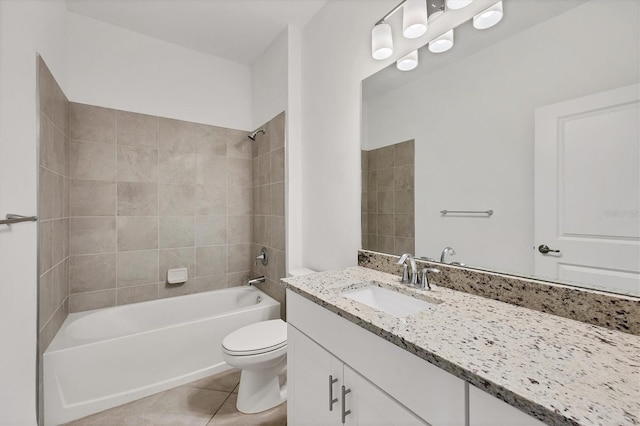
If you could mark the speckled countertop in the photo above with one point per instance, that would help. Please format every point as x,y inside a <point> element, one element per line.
<point>560,371</point>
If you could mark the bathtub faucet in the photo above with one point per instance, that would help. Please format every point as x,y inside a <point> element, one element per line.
<point>256,281</point>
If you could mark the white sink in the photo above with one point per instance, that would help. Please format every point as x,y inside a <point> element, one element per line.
<point>392,302</point>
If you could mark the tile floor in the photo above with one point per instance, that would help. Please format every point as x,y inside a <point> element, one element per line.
<point>207,402</point>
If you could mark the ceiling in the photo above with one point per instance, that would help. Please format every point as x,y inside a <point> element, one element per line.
<point>236,30</point>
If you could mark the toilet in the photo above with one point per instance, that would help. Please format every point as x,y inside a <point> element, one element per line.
<point>260,351</point>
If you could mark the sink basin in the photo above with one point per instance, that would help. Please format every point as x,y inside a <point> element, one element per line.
<point>392,302</point>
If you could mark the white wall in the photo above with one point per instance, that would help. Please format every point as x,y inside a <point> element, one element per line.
<point>26,27</point>
<point>474,136</point>
<point>336,57</point>
<point>269,81</point>
<point>117,68</point>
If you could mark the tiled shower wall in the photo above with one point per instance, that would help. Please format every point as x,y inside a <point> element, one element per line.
<point>53,210</point>
<point>148,194</point>
<point>388,220</point>
<point>269,206</point>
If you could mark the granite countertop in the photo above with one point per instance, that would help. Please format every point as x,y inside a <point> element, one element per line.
<point>561,371</point>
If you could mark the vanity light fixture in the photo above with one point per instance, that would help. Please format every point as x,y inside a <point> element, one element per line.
<point>489,17</point>
<point>416,14</point>
<point>458,4</point>
<point>381,41</point>
<point>414,18</point>
<point>408,62</point>
<point>442,43</point>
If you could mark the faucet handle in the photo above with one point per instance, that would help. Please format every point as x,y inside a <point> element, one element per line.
<point>405,274</point>
<point>424,278</point>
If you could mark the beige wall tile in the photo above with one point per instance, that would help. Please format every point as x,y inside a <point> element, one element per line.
<point>178,136</point>
<point>277,165</point>
<point>261,230</point>
<point>137,233</point>
<point>276,129</point>
<point>238,279</point>
<point>93,300</point>
<point>240,258</point>
<point>277,199</point>
<point>211,200</point>
<point>373,159</point>
<point>137,164</point>
<point>46,91</point>
<point>240,201</point>
<point>137,130</point>
<point>136,294</point>
<point>386,225</point>
<point>177,200</point>
<point>364,160</point>
<point>404,153</point>
<point>45,236</point>
<point>238,144</point>
<point>239,172</point>
<point>386,244</point>
<point>50,329</point>
<point>386,157</point>
<point>255,171</point>
<point>277,237</point>
<point>177,168</point>
<point>211,170</point>
<point>404,225</point>
<point>240,229</point>
<point>262,143</point>
<point>372,181</point>
<point>90,235</point>
<point>58,196</point>
<point>137,268</point>
<point>386,202</point>
<point>92,124</point>
<point>92,272</point>
<point>211,230</point>
<point>45,302</point>
<point>196,285</point>
<point>177,231</point>
<point>210,140</point>
<point>137,199</point>
<point>372,202</point>
<point>405,245</point>
<point>177,258</point>
<point>92,161</point>
<point>59,240</point>
<point>386,181</point>
<point>404,177</point>
<point>92,198</point>
<point>211,260</point>
<point>45,194</point>
<point>264,170</point>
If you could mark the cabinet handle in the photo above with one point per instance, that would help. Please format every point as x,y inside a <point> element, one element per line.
<point>345,391</point>
<point>332,400</point>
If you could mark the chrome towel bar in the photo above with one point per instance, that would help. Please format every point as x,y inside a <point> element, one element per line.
<point>487,212</point>
<point>16,218</point>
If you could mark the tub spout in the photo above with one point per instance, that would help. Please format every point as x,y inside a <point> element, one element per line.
<point>256,281</point>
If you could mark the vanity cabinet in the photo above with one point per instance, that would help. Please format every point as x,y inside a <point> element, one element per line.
<point>388,384</point>
<point>486,410</point>
<point>325,391</point>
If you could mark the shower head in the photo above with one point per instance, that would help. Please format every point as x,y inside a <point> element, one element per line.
<point>253,135</point>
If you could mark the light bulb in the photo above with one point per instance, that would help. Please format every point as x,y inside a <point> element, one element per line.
<point>442,43</point>
<point>414,18</point>
<point>408,62</point>
<point>489,17</point>
<point>381,41</point>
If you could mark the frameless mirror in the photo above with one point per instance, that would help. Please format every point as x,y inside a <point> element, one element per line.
<point>524,140</point>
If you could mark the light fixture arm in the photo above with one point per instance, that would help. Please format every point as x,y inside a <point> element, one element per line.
<point>391,12</point>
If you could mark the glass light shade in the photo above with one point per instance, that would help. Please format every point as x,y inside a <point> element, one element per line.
<point>414,18</point>
<point>442,43</point>
<point>489,17</point>
<point>458,4</point>
<point>381,41</point>
<point>409,62</point>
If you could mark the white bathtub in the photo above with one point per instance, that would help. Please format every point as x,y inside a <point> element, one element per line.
<point>107,357</point>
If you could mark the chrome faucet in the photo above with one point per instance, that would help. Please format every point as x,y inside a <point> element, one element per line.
<point>406,279</point>
<point>445,252</point>
<point>258,280</point>
<point>425,277</point>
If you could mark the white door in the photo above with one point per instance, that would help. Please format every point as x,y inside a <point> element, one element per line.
<point>587,190</point>
<point>370,406</point>
<point>309,394</point>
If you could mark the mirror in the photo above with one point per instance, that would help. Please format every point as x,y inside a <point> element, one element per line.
<point>536,120</point>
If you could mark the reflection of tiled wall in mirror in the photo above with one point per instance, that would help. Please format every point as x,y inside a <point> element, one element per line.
<point>388,223</point>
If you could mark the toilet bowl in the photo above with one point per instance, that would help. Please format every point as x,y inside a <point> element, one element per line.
<point>260,351</point>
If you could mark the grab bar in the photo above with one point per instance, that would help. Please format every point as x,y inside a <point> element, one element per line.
<point>487,212</point>
<point>16,218</point>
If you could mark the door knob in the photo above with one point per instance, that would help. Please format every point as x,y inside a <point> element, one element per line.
<point>544,249</point>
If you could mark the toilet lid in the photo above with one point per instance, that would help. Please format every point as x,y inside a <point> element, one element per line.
<point>258,337</point>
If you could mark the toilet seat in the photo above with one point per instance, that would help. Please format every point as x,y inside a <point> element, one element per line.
<point>257,338</point>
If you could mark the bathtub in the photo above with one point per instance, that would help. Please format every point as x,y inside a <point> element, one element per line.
<point>103,358</point>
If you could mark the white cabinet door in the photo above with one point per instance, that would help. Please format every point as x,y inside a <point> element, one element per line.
<point>309,368</point>
<point>370,406</point>
<point>587,190</point>
<point>486,410</point>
